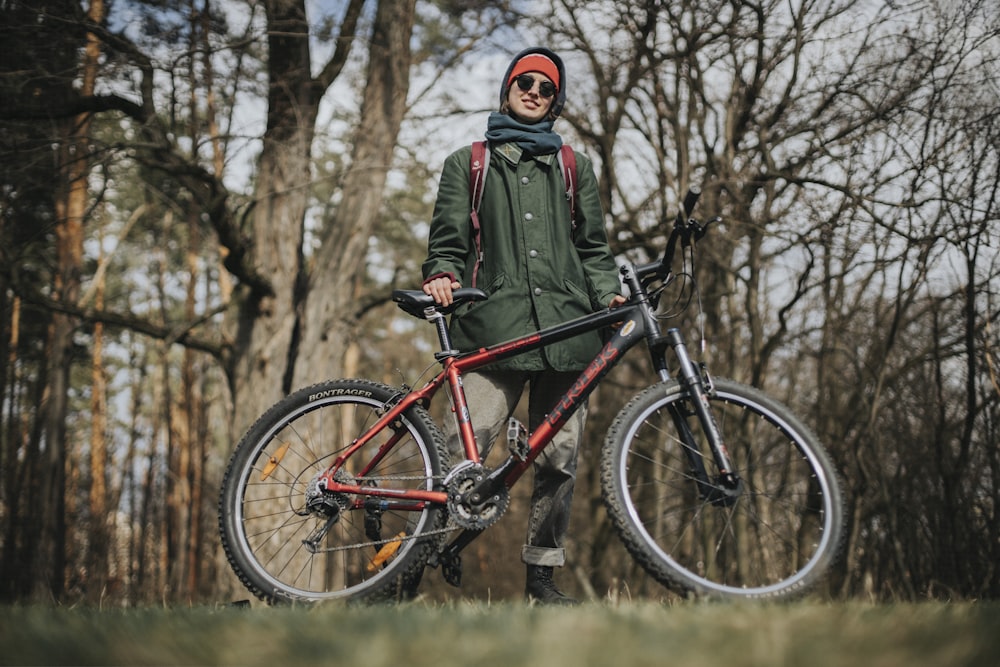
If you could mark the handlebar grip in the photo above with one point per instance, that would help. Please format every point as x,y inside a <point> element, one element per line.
<point>690,199</point>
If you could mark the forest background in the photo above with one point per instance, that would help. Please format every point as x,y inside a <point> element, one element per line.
<point>206,203</point>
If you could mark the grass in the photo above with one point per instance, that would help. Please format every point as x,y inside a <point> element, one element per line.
<point>482,635</point>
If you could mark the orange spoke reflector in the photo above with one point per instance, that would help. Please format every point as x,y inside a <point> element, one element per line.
<point>272,463</point>
<point>387,551</point>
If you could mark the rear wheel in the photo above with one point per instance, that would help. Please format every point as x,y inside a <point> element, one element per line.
<point>772,537</point>
<point>288,541</point>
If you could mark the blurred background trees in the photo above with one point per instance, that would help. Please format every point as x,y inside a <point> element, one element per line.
<point>207,202</point>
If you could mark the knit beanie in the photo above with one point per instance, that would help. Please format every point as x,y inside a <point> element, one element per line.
<point>537,59</point>
<point>535,62</point>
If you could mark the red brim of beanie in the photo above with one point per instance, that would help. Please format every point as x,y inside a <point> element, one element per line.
<point>535,62</point>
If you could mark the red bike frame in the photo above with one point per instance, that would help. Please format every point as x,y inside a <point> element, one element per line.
<point>636,322</point>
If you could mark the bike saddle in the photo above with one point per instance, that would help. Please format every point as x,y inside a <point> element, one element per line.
<point>415,302</point>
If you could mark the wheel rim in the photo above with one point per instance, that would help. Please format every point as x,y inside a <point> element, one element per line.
<point>271,518</point>
<point>705,541</point>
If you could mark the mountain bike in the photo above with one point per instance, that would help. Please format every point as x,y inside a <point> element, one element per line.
<point>346,489</point>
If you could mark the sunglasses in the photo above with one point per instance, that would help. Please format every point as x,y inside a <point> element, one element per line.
<point>526,82</point>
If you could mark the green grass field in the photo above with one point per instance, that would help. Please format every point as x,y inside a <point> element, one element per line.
<point>481,635</point>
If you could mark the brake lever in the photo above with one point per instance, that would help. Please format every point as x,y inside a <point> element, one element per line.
<point>701,230</point>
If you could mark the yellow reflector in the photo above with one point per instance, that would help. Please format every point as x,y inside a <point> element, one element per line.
<point>387,551</point>
<point>273,462</point>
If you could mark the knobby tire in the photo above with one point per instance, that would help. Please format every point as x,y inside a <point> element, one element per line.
<point>368,553</point>
<point>775,539</point>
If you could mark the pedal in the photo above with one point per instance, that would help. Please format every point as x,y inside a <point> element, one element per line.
<point>451,569</point>
<point>517,439</point>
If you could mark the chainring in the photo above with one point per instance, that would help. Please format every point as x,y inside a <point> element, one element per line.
<point>465,505</point>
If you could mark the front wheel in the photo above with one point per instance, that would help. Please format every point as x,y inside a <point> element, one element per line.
<point>771,537</point>
<point>289,541</point>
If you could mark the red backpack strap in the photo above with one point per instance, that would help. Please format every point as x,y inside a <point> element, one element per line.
<point>567,161</point>
<point>479,164</point>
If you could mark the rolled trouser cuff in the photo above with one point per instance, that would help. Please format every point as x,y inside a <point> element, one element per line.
<point>544,556</point>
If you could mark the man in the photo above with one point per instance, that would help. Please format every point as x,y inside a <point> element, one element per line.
<point>539,268</point>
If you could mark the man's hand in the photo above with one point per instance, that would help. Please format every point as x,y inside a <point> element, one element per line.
<point>617,301</point>
<point>441,289</point>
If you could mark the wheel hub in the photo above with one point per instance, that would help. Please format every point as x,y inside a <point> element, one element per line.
<point>321,502</point>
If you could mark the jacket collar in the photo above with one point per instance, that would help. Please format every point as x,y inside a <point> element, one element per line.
<point>511,152</point>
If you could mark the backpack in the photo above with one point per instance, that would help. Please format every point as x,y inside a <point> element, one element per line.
<point>480,164</point>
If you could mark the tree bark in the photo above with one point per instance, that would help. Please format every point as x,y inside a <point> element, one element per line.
<point>266,325</point>
<point>281,337</point>
<point>71,208</point>
<point>329,309</point>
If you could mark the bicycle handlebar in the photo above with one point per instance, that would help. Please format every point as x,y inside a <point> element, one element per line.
<point>686,229</point>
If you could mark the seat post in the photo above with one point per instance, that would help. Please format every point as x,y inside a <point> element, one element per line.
<point>432,314</point>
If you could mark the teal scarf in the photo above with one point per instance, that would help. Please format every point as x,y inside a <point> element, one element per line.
<point>537,139</point>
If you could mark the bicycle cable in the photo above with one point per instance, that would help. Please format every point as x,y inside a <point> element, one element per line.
<point>700,316</point>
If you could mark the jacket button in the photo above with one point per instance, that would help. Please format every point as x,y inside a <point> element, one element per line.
<point>529,217</point>
<point>525,180</point>
<point>533,253</point>
<point>538,291</point>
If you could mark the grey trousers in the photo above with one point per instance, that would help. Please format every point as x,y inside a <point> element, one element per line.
<point>492,397</point>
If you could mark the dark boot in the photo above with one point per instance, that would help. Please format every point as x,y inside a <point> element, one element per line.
<point>540,587</point>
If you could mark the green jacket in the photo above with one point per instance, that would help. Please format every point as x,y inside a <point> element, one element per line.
<point>537,270</point>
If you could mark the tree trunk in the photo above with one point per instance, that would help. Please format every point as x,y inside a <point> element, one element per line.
<point>51,559</point>
<point>266,326</point>
<point>282,336</point>
<point>328,311</point>
<point>100,519</point>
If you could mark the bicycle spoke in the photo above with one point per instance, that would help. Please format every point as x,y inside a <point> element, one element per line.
<point>289,539</point>
<point>778,529</point>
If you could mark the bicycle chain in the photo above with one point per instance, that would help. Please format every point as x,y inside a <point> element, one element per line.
<point>380,543</point>
<point>398,477</point>
<point>405,538</point>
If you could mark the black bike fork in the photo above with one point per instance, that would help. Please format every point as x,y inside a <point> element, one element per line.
<point>727,487</point>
